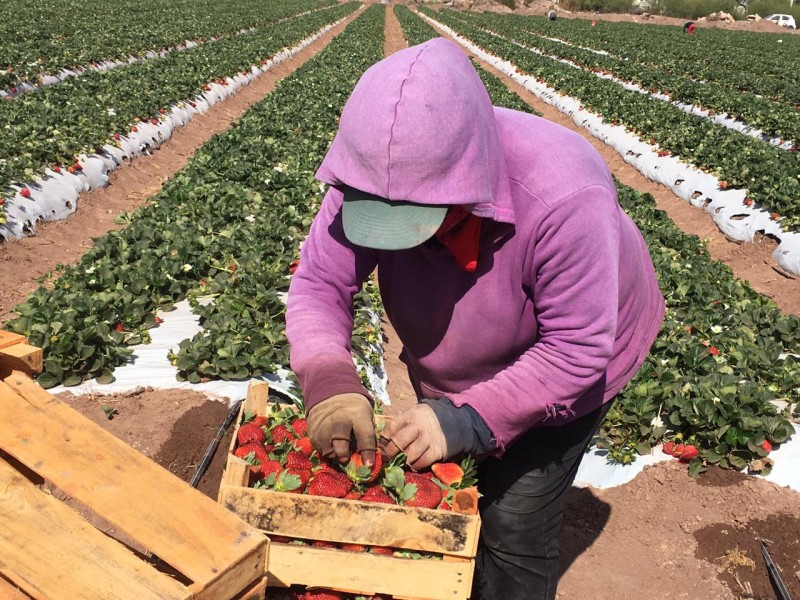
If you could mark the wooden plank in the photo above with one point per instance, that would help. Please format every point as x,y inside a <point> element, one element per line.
<point>257,399</point>
<point>257,591</point>
<point>21,357</point>
<point>89,565</point>
<point>8,591</point>
<point>181,525</point>
<point>9,339</point>
<point>353,521</point>
<point>369,574</point>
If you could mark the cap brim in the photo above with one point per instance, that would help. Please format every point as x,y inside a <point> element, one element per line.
<point>375,222</point>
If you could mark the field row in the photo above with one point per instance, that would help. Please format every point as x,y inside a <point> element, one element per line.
<point>108,113</point>
<point>65,35</point>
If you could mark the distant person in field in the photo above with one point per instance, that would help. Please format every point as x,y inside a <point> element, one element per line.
<point>688,27</point>
<point>524,297</point>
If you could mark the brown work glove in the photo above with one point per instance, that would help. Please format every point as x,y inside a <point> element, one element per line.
<point>417,432</point>
<point>332,422</point>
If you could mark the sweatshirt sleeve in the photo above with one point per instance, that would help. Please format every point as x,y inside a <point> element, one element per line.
<point>319,313</point>
<point>572,269</point>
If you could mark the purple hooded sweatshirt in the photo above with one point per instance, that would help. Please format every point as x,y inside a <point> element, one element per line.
<point>564,304</point>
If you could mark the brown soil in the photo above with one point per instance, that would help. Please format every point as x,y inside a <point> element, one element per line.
<point>661,536</point>
<point>130,186</point>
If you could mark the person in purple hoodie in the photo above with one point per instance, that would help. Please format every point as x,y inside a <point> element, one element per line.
<point>524,297</point>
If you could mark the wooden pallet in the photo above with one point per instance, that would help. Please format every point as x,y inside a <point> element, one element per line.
<point>17,355</point>
<point>178,543</point>
<point>453,535</point>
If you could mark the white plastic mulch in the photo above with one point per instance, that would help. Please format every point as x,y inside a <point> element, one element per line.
<point>151,368</point>
<point>686,181</point>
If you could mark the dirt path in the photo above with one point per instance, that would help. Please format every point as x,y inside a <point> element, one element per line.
<point>64,242</point>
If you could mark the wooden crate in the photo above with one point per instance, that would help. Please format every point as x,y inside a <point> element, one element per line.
<point>454,535</point>
<point>127,529</point>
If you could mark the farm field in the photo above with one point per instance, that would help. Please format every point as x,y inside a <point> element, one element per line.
<point>225,224</point>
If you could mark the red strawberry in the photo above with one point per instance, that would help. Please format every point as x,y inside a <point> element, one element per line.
<point>281,539</point>
<point>25,193</point>
<point>678,450</point>
<point>116,136</point>
<point>320,595</point>
<point>57,168</point>
<point>669,448</point>
<point>134,129</point>
<point>448,473</point>
<point>428,495</point>
<point>305,446</point>
<point>293,266</point>
<point>689,452</point>
<point>281,433</point>
<point>324,544</point>
<point>119,327</point>
<point>723,184</point>
<point>300,427</point>
<point>332,485</point>
<point>258,451</point>
<point>303,474</point>
<point>359,472</point>
<point>353,547</point>
<point>271,467</point>
<point>353,495</point>
<point>261,421</point>
<point>385,550</point>
<point>250,432</point>
<point>377,494</point>
<point>445,506</point>
<point>767,446</point>
<point>154,121</point>
<point>297,460</point>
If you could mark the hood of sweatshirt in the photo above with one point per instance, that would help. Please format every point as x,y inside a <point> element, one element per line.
<point>420,127</point>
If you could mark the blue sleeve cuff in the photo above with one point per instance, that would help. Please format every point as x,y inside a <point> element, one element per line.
<point>464,430</point>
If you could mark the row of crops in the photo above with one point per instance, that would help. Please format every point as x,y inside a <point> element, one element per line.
<point>771,175</point>
<point>230,224</point>
<point>69,34</point>
<point>45,132</point>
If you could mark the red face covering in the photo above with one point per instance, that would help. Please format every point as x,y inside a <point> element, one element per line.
<point>460,233</point>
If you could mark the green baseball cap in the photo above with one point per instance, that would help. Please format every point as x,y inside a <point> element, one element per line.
<point>376,222</point>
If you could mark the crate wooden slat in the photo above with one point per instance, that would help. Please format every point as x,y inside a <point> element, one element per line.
<point>454,535</point>
<point>17,354</point>
<point>218,555</point>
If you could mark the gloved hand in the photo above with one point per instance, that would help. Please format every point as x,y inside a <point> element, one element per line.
<point>416,432</point>
<point>332,422</point>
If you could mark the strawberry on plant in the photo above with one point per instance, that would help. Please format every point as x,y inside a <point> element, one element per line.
<point>766,446</point>
<point>250,432</point>
<point>689,453</point>
<point>25,193</point>
<point>723,184</point>
<point>669,448</point>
